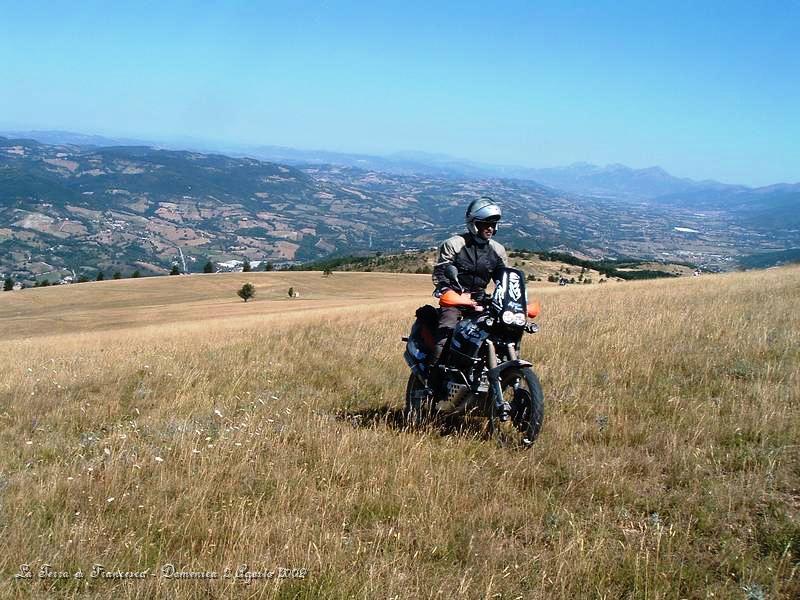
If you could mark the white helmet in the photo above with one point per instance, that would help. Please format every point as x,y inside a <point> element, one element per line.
<point>482,209</point>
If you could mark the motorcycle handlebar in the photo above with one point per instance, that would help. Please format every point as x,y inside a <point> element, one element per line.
<point>478,301</point>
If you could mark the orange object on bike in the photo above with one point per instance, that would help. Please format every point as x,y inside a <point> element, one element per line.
<point>453,298</point>
<point>534,308</point>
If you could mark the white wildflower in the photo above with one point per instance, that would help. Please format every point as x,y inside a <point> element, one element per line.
<point>159,459</point>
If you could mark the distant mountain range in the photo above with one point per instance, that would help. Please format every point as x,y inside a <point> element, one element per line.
<point>582,178</point>
<point>79,207</point>
<point>70,138</point>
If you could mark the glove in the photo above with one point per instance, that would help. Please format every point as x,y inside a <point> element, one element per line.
<point>437,293</point>
<point>480,297</point>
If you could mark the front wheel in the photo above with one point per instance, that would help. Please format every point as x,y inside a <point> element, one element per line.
<point>523,393</point>
<point>419,402</point>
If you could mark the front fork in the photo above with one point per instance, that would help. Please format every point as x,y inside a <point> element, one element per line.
<point>494,376</point>
<point>495,370</point>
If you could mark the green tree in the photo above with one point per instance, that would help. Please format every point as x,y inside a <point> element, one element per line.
<point>246,268</point>
<point>8,284</point>
<point>44,283</point>
<point>136,274</point>
<point>247,291</point>
<point>268,266</point>
<point>83,278</point>
<point>100,276</point>
<point>117,275</point>
<point>175,270</point>
<point>209,267</point>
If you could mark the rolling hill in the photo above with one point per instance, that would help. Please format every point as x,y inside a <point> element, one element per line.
<point>74,210</point>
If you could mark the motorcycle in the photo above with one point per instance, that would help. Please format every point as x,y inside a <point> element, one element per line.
<point>479,372</point>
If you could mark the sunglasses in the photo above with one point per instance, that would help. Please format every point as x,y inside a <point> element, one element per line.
<point>486,224</point>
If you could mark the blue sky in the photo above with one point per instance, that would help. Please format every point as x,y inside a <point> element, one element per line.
<point>703,89</point>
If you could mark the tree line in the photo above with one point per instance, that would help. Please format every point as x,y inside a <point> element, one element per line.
<point>604,267</point>
<point>208,267</point>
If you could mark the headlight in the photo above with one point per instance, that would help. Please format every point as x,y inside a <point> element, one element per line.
<point>508,317</point>
<point>519,319</point>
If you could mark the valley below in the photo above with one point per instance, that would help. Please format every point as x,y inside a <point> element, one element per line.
<point>73,212</point>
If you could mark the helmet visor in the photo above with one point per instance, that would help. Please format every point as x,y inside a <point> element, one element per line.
<point>486,223</point>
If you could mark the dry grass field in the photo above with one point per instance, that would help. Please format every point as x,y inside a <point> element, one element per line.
<point>157,422</point>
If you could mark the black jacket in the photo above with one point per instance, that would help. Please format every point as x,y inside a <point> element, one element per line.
<point>477,263</point>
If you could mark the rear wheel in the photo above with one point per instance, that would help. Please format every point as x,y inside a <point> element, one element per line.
<point>523,393</point>
<point>419,402</point>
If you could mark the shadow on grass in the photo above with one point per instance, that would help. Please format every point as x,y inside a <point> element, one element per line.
<point>393,418</point>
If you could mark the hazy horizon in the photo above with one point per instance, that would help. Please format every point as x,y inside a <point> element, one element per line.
<point>185,142</point>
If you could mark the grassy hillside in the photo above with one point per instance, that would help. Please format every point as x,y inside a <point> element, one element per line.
<point>203,299</point>
<point>544,266</point>
<point>163,421</point>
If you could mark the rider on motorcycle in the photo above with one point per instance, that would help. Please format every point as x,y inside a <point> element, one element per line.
<point>478,259</point>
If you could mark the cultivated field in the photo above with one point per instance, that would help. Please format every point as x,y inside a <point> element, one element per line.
<point>156,422</point>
